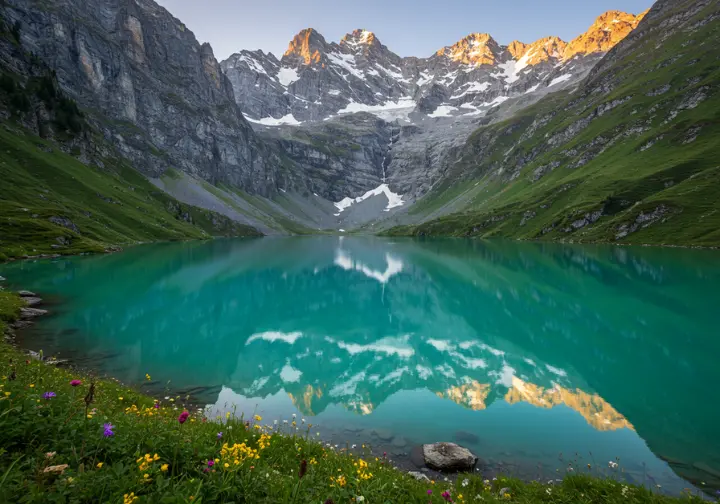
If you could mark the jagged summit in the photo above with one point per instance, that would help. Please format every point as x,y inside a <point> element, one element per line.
<point>306,48</point>
<point>475,49</point>
<point>607,30</point>
<point>359,37</point>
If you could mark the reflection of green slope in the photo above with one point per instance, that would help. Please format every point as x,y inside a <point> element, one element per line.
<point>634,326</point>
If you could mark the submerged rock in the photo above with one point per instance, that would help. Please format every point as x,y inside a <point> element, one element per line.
<point>24,293</point>
<point>448,457</point>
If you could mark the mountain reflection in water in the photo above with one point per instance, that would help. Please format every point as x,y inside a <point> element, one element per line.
<point>523,350</point>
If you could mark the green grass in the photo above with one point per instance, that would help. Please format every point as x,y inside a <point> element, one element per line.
<point>53,450</point>
<point>622,177</point>
<point>110,206</point>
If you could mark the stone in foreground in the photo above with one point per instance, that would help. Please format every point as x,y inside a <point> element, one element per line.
<point>24,293</point>
<point>418,476</point>
<point>448,457</point>
<point>32,301</point>
<point>28,313</point>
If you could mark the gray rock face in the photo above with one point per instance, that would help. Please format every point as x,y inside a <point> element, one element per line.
<point>448,457</point>
<point>26,293</point>
<point>336,159</point>
<point>157,94</point>
<point>33,301</point>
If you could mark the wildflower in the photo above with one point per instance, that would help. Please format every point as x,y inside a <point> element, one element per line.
<point>226,465</point>
<point>183,417</point>
<point>50,455</point>
<point>75,383</point>
<point>99,465</point>
<point>429,492</point>
<point>164,467</point>
<point>120,398</point>
<point>147,377</point>
<point>303,468</point>
<point>7,394</point>
<point>612,465</point>
<point>258,418</point>
<point>156,405</point>
<point>70,480</point>
<point>146,476</point>
<point>129,498</point>
<point>56,469</point>
<point>548,491</point>
<point>108,430</point>
<point>353,446</point>
<point>359,498</point>
<point>49,395</point>
<point>446,495</point>
<point>211,463</point>
<point>219,435</point>
<point>507,496</point>
<point>32,385</point>
<point>465,482</point>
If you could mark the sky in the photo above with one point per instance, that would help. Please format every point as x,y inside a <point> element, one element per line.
<point>406,27</point>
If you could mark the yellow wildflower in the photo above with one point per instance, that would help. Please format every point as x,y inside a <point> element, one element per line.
<point>258,418</point>
<point>226,465</point>
<point>147,377</point>
<point>164,467</point>
<point>120,398</point>
<point>32,385</point>
<point>507,496</point>
<point>146,475</point>
<point>7,394</point>
<point>99,465</point>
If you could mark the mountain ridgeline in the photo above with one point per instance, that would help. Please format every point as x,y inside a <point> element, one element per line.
<point>607,137</point>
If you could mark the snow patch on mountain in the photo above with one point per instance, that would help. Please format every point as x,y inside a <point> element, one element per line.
<point>394,200</point>
<point>287,76</point>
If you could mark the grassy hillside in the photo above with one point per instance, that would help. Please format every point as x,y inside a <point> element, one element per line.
<point>629,157</point>
<point>50,202</point>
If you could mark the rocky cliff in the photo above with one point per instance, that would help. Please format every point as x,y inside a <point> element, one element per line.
<point>144,80</point>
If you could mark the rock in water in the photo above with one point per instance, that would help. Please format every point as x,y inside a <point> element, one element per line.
<point>25,293</point>
<point>32,301</point>
<point>28,313</point>
<point>448,457</point>
<point>2,279</point>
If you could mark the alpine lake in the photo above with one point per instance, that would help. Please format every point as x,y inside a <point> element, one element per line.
<point>542,359</point>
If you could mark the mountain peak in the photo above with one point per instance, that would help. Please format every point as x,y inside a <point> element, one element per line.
<point>359,37</point>
<point>307,48</point>
<point>607,30</point>
<point>475,49</point>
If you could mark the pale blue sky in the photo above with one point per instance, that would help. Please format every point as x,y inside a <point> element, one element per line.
<point>407,27</point>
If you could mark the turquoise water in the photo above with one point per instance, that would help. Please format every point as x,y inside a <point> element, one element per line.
<point>538,357</point>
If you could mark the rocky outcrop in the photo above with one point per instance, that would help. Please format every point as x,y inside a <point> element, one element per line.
<point>448,457</point>
<point>155,93</point>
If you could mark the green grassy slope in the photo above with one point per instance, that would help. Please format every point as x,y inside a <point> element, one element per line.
<point>94,208</point>
<point>631,157</point>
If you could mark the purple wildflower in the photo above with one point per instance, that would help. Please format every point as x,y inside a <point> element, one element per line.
<point>429,492</point>
<point>49,395</point>
<point>211,463</point>
<point>183,417</point>
<point>446,496</point>
<point>156,405</point>
<point>219,435</point>
<point>108,430</point>
<point>76,383</point>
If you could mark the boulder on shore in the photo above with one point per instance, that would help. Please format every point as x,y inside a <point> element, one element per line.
<point>24,293</point>
<point>29,313</point>
<point>32,301</point>
<point>448,457</point>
